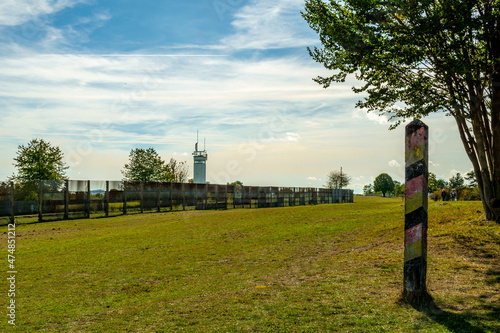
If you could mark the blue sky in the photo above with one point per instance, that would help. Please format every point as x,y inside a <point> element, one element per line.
<point>99,78</point>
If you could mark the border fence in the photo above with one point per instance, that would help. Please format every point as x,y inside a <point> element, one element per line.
<point>66,199</point>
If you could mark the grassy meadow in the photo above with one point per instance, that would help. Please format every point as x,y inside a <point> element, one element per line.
<point>322,268</point>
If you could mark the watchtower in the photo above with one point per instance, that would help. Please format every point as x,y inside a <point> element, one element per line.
<point>200,163</point>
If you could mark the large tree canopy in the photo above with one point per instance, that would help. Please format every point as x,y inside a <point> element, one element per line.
<point>413,58</point>
<point>39,160</point>
<point>146,165</point>
<point>383,183</point>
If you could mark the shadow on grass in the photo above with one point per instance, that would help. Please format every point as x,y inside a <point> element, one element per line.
<point>483,319</point>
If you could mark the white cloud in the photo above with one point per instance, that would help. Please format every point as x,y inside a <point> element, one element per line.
<point>16,12</point>
<point>269,25</point>
<point>394,164</point>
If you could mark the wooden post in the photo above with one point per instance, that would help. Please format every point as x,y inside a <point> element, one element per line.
<point>142,196</point>
<point>183,197</point>
<point>171,201</point>
<point>415,240</point>
<point>12,203</point>
<point>106,199</point>
<point>158,202</point>
<point>40,200</point>
<point>225,199</point>
<point>216,196</point>
<point>87,209</point>
<point>206,196</point>
<point>66,200</point>
<point>124,198</point>
<point>234,197</point>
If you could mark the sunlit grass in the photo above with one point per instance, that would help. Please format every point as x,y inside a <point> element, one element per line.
<point>296,269</point>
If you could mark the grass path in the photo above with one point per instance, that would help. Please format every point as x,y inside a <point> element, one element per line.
<point>317,268</point>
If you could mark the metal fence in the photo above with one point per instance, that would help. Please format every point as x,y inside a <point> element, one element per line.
<point>58,200</point>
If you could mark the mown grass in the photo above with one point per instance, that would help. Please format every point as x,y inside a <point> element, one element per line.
<point>317,268</point>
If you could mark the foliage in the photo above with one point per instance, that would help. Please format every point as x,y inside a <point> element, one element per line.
<point>337,180</point>
<point>238,184</point>
<point>383,183</point>
<point>368,189</point>
<point>39,160</point>
<point>399,188</point>
<point>175,172</point>
<point>456,181</point>
<point>435,184</point>
<point>414,58</point>
<point>471,178</point>
<point>146,165</point>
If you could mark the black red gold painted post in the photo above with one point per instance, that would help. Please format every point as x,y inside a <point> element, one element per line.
<point>415,240</point>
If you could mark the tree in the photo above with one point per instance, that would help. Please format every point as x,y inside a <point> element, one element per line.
<point>39,160</point>
<point>399,188</point>
<point>456,181</point>
<point>368,189</point>
<point>415,58</point>
<point>238,184</point>
<point>383,183</point>
<point>145,165</point>
<point>337,180</point>
<point>175,172</point>
<point>435,184</point>
<point>471,178</point>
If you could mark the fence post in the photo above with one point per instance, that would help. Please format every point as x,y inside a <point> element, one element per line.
<point>216,196</point>
<point>225,199</point>
<point>87,211</point>
<point>124,198</point>
<point>206,196</point>
<point>40,200</point>
<point>142,196</point>
<point>415,240</point>
<point>171,197</point>
<point>158,203</point>
<point>183,197</point>
<point>66,200</point>
<point>12,203</point>
<point>106,199</point>
<point>234,197</point>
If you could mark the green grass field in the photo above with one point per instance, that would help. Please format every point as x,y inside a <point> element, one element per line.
<point>321,268</point>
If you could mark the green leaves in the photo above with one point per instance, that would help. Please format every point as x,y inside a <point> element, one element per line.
<point>146,165</point>
<point>39,160</point>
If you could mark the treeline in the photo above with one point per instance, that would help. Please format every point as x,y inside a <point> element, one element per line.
<point>465,187</point>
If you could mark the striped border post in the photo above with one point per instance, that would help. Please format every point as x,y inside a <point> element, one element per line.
<point>416,177</point>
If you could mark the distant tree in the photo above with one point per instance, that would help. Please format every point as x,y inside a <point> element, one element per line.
<point>337,180</point>
<point>175,172</point>
<point>383,183</point>
<point>456,181</point>
<point>471,178</point>
<point>39,160</point>
<point>399,188</point>
<point>145,165</point>
<point>435,184</point>
<point>368,189</point>
<point>237,183</point>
